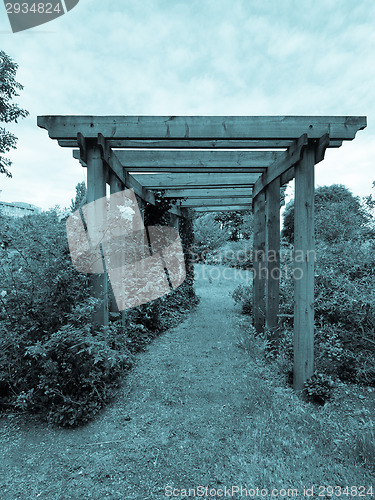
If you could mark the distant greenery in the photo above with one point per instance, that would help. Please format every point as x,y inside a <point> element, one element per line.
<point>224,237</point>
<point>9,111</point>
<point>339,216</point>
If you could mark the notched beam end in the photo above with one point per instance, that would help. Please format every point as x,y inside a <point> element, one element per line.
<point>296,148</point>
<point>42,122</point>
<point>81,141</point>
<point>320,148</point>
<point>104,148</point>
<point>77,156</point>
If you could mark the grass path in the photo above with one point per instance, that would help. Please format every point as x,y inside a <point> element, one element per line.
<point>199,408</point>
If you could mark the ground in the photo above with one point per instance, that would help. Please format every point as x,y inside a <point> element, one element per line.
<point>201,407</point>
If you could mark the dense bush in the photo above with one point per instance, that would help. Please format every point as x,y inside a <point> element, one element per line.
<point>53,360</point>
<point>318,388</point>
<point>69,375</point>
<point>344,288</point>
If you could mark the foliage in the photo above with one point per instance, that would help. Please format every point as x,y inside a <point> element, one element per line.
<point>158,214</point>
<point>69,375</point>
<point>9,111</point>
<point>318,388</point>
<point>224,238</point>
<point>344,293</point>
<point>80,198</point>
<point>208,235</point>
<point>242,295</point>
<point>339,216</point>
<point>53,360</point>
<point>238,224</point>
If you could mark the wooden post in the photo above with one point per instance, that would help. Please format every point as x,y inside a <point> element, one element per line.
<point>96,188</point>
<point>272,252</point>
<point>142,206</point>
<point>115,186</point>
<point>174,221</point>
<point>304,253</point>
<point>259,264</point>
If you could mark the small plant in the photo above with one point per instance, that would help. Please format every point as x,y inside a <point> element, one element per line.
<point>242,295</point>
<point>364,443</point>
<point>318,388</point>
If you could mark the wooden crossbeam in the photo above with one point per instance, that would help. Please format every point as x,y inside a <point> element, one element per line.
<point>254,161</point>
<point>195,161</point>
<point>202,127</point>
<point>226,192</point>
<point>206,202</point>
<point>193,181</point>
<point>185,144</point>
<point>224,208</point>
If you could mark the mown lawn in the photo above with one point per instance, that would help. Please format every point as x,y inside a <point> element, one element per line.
<point>200,408</point>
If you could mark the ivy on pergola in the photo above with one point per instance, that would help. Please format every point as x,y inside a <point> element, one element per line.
<point>220,163</point>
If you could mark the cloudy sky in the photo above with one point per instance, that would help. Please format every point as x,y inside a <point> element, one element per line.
<point>190,57</point>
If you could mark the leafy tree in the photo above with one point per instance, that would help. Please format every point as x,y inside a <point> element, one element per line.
<point>208,235</point>
<point>80,198</point>
<point>339,216</point>
<point>9,112</point>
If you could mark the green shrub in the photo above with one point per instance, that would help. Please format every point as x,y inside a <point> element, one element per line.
<point>242,295</point>
<point>69,375</point>
<point>53,361</point>
<point>318,388</point>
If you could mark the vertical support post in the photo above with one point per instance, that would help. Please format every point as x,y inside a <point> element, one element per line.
<point>272,253</point>
<point>174,221</point>
<point>96,188</point>
<point>142,206</point>
<point>259,268</point>
<point>304,253</point>
<point>115,186</point>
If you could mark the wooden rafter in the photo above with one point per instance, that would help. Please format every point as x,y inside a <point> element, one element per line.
<point>223,192</point>
<point>203,127</point>
<point>185,144</point>
<point>194,181</point>
<point>223,208</point>
<point>206,202</point>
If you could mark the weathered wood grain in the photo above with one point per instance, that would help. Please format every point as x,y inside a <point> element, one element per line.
<point>203,127</point>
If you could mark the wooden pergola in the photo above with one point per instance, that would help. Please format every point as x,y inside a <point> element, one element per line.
<point>220,163</point>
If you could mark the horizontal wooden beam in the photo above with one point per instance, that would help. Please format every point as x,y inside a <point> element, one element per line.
<point>208,202</point>
<point>228,208</point>
<point>187,144</point>
<point>202,127</point>
<point>195,181</point>
<point>227,192</point>
<point>191,160</point>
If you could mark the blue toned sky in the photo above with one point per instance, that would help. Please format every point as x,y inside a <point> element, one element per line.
<point>172,57</point>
